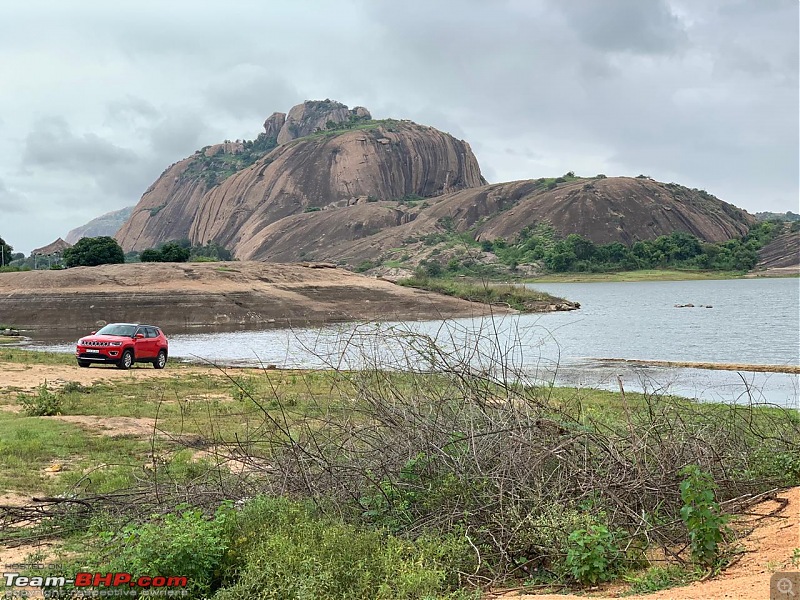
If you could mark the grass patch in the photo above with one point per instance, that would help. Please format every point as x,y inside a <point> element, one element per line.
<point>513,296</point>
<point>30,444</point>
<point>400,467</point>
<point>33,357</point>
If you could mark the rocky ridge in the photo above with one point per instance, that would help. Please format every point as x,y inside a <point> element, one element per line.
<point>326,182</point>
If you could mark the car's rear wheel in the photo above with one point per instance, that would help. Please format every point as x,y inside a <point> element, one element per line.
<point>126,360</point>
<point>83,363</point>
<point>161,360</point>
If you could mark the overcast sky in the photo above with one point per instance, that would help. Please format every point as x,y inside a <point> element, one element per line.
<point>98,98</point>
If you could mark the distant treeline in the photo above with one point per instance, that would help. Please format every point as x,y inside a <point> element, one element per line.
<point>181,251</point>
<point>544,247</point>
<point>575,253</point>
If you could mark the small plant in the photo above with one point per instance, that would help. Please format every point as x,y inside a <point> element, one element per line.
<point>660,578</point>
<point>702,515</point>
<point>74,386</point>
<point>593,554</point>
<point>43,404</point>
<point>796,558</point>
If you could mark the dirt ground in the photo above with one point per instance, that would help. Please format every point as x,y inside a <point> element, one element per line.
<point>181,296</point>
<point>27,377</point>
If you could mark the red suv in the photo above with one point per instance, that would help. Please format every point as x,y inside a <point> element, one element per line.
<point>123,344</point>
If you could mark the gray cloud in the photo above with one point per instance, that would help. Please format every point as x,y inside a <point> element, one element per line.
<point>625,25</point>
<point>52,144</point>
<point>10,201</point>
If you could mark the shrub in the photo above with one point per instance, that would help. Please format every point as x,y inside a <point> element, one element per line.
<point>702,515</point>
<point>593,555</point>
<point>182,543</point>
<point>43,404</point>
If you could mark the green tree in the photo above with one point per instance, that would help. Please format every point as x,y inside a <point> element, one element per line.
<point>150,255</point>
<point>174,252</point>
<point>90,252</point>
<point>6,252</point>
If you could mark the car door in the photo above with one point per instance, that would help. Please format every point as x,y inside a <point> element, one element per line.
<point>141,345</point>
<point>152,341</point>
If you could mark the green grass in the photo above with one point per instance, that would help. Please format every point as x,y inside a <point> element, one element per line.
<point>297,544</point>
<point>33,357</point>
<point>514,296</point>
<point>640,275</point>
<point>28,445</point>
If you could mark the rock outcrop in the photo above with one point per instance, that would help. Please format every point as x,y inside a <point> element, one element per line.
<point>56,247</point>
<point>317,115</point>
<point>369,161</point>
<point>274,124</point>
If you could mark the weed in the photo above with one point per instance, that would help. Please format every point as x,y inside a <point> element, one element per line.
<point>660,578</point>
<point>283,549</point>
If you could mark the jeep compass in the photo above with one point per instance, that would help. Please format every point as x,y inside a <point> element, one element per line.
<point>123,344</point>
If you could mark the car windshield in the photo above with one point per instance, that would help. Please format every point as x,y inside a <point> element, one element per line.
<point>114,329</point>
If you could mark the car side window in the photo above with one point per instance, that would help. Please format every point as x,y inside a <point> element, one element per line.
<point>150,332</point>
<point>138,331</point>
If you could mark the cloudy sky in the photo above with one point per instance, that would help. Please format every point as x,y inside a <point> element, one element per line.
<point>98,97</point>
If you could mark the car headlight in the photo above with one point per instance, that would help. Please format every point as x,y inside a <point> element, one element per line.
<point>116,343</point>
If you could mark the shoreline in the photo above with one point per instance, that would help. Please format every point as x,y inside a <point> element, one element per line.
<point>710,366</point>
<point>660,275</point>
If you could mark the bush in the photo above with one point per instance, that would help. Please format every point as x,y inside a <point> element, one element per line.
<point>183,543</point>
<point>43,404</point>
<point>169,252</point>
<point>90,252</point>
<point>593,555</point>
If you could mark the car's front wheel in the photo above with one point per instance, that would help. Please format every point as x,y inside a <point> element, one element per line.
<point>83,363</point>
<point>161,360</point>
<point>126,360</point>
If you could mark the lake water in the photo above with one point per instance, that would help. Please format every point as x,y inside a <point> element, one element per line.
<point>752,321</point>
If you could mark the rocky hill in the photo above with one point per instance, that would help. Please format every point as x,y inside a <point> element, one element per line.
<point>325,182</point>
<point>321,155</point>
<point>781,256</point>
<point>107,224</point>
<point>604,210</point>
